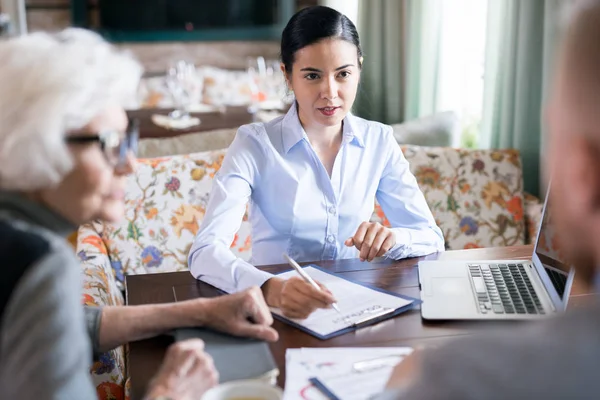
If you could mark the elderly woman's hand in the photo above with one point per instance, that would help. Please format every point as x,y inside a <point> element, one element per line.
<point>187,372</point>
<point>241,314</point>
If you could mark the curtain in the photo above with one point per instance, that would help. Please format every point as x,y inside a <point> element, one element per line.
<point>382,31</point>
<point>401,42</point>
<point>423,56</point>
<point>521,39</point>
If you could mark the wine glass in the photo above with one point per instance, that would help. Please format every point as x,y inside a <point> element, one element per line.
<point>4,25</point>
<point>256,70</point>
<point>185,87</point>
<point>277,87</point>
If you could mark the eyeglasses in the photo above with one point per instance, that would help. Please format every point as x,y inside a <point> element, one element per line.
<point>114,144</point>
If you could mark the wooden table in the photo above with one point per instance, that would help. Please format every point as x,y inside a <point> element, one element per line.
<point>405,330</point>
<point>230,117</point>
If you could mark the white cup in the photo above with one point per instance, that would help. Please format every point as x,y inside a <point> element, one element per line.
<point>244,390</point>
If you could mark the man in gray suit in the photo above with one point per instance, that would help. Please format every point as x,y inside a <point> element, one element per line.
<point>558,358</point>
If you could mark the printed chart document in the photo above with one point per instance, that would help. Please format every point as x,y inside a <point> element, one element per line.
<point>359,306</point>
<point>342,373</point>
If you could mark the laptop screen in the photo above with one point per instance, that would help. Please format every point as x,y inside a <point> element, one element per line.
<point>551,254</point>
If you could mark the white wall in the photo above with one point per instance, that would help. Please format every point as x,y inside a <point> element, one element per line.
<point>347,7</point>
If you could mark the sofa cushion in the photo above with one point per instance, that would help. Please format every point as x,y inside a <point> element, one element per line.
<point>439,129</point>
<point>476,196</point>
<point>185,144</point>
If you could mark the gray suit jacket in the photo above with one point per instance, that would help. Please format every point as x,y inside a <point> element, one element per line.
<point>554,359</point>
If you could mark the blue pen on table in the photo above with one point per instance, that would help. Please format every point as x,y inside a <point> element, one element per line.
<point>307,277</point>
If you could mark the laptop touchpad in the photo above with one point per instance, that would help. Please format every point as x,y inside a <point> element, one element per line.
<point>451,286</point>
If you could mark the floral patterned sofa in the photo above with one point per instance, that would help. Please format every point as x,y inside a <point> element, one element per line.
<point>476,197</point>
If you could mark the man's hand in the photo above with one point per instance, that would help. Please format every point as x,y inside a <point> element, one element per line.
<point>187,372</point>
<point>295,297</point>
<point>372,240</point>
<point>240,314</point>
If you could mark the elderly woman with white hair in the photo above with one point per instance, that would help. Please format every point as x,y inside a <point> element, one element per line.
<point>65,148</point>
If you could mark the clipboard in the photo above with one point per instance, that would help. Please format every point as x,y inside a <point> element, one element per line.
<point>234,357</point>
<point>341,372</point>
<point>375,317</point>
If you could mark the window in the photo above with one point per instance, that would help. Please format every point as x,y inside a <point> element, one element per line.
<point>462,64</point>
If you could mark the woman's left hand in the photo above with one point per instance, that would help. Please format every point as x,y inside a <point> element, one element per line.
<point>372,240</point>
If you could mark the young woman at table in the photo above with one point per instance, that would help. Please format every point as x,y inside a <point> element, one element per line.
<point>311,177</point>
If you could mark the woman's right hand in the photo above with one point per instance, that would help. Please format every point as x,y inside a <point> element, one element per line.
<point>186,373</point>
<point>295,297</point>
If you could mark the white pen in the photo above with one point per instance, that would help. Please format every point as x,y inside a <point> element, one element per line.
<point>384,361</point>
<point>307,278</point>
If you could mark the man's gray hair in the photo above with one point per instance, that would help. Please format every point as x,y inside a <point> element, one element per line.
<point>51,84</point>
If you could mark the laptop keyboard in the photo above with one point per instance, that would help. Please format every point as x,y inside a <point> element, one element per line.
<point>504,289</point>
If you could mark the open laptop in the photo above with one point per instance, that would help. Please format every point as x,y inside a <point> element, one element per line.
<point>506,289</point>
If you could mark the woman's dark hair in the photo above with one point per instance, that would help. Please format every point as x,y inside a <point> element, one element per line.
<point>311,25</point>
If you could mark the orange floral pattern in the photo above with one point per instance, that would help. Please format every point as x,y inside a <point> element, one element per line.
<point>494,192</point>
<point>96,242</point>
<point>380,216</point>
<point>187,217</point>
<point>532,209</point>
<point>110,391</point>
<point>89,300</point>
<point>152,162</point>
<point>99,289</point>
<point>515,207</point>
